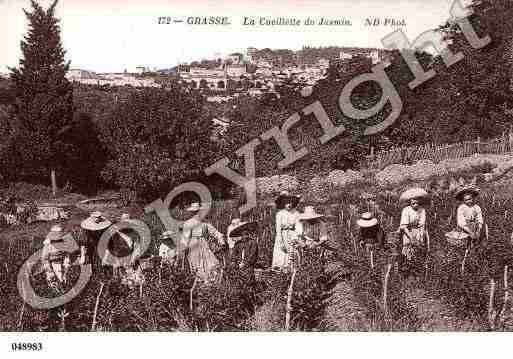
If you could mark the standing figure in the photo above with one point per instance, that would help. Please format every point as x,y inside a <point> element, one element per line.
<point>243,248</point>
<point>195,239</point>
<point>312,228</point>
<point>287,218</point>
<point>167,248</point>
<point>93,227</point>
<point>413,224</point>
<point>230,239</point>
<point>56,262</point>
<point>125,249</point>
<point>469,215</point>
<point>371,232</point>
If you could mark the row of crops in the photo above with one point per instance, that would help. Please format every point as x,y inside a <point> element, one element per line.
<point>343,287</point>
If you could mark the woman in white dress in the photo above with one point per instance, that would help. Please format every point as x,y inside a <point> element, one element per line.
<point>56,262</point>
<point>195,239</point>
<point>413,223</point>
<point>469,215</point>
<point>287,219</point>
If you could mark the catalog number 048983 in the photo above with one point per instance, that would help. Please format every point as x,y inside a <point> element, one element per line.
<point>27,346</point>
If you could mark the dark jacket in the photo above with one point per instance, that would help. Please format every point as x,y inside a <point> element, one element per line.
<point>373,235</point>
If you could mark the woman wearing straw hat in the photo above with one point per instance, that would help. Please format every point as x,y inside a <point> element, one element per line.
<point>312,229</point>
<point>125,243</point>
<point>195,238</point>
<point>56,262</point>
<point>413,223</point>
<point>243,248</point>
<point>287,218</point>
<point>371,232</point>
<point>469,215</point>
<point>167,248</point>
<point>93,227</point>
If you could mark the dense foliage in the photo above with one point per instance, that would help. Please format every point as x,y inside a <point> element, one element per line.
<point>144,141</point>
<point>157,139</point>
<point>42,111</point>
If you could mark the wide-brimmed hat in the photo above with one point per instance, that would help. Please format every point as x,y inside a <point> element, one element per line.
<point>167,235</point>
<point>473,190</point>
<point>243,228</point>
<point>125,217</point>
<point>96,222</point>
<point>457,238</point>
<point>367,220</point>
<point>195,207</point>
<point>55,234</point>
<point>235,221</point>
<point>285,197</point>
<point>56,228</point>
<point>310,214</point>
<point>414,193</point>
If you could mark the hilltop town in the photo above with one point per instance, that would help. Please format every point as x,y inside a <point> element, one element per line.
<point>253,73</point>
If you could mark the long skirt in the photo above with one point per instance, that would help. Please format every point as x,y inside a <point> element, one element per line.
<point>413,246</point>
<point>284,260</point>
<point>202,261</point>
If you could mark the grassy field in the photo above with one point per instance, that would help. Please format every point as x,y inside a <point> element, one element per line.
<point>333,290</point>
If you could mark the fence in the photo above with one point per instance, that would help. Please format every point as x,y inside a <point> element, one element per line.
<point>437,152</point>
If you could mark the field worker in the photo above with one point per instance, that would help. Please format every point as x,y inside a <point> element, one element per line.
<point>93,227</point>
<point>287,219</point>
<point>243,247</point>
<point>230,239</point>
<point>195,239</point>
<point>167,248</point>
<point>413,223</point>
<point>56,262</point>
<point>124,243</point>
<point>469,215</point>
<point>371,233</point>
<point>312,228</point>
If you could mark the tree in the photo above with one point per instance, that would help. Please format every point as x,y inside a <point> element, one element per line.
<point>157,140</point>
<point>86,162</point>
<point>43,106</point>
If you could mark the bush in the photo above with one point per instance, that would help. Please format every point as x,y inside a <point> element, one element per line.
<point>156,140</point>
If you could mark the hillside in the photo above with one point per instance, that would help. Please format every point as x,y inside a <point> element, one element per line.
<point>343,288</point>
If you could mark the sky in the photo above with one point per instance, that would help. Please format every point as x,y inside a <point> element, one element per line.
<point>114,35</point>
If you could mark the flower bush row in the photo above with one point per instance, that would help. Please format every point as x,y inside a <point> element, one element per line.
<point>447,175</point>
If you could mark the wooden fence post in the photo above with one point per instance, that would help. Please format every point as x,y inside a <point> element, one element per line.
<point>54,182</point>
<point>93,325</point>
<point>506,295</point>
<point>491,310</point>
<point>289,300</point>
<point>385,289</point>
<point>464,260</point>
<point>191,307</point>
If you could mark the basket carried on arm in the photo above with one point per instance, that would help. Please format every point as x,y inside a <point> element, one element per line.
<point>457,238</point>
<point>394,242</point>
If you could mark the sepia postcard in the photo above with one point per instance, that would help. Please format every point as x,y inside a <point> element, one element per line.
<point>275,169</point>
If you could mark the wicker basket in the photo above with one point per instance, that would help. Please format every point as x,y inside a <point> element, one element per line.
<point>147,263</point>
<point>457,239</point>
<point>394,237</point>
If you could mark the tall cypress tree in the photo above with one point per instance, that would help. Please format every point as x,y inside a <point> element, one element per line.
<point>43,109</point>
